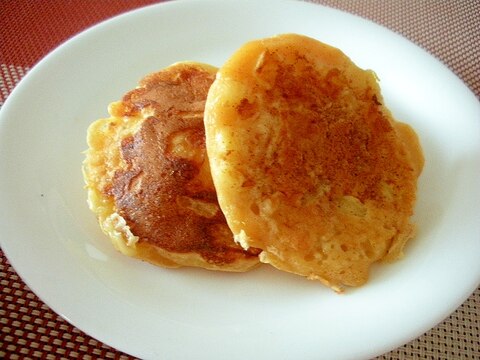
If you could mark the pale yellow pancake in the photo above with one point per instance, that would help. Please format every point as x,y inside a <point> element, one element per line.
<point>308,163</point>
<point>148,177</point>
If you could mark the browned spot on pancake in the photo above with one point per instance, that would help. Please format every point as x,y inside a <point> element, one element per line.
<point>347,148</point>
<point>246,108</point>
<point>165,193</point>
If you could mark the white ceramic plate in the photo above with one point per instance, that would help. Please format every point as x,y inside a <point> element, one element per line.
<point>54,243</point>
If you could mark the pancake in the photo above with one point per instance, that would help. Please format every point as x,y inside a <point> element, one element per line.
<point>148,177</point>
<point>308,163</point>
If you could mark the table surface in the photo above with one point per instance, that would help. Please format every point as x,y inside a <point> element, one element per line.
<point>449,30</point>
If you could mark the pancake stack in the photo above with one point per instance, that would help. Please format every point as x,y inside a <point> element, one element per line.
<point>312,172</point>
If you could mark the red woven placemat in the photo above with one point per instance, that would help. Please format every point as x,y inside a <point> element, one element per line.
<point>30,29</point>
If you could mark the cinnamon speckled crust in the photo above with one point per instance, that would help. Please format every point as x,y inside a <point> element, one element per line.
<point>149,179</point>
<point>308,163</point>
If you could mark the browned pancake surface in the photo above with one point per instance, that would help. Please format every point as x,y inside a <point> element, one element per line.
<point>308,163</point>
<point>162,186</point>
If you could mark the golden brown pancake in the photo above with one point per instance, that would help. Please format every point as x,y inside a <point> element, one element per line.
<point>148,177</point>
<point>308,163</point>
